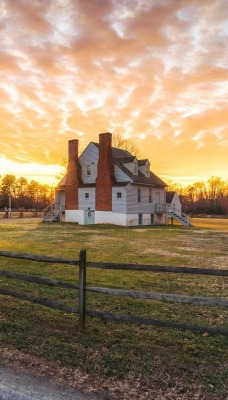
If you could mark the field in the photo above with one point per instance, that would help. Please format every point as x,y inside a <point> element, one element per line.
<point>126,361</point>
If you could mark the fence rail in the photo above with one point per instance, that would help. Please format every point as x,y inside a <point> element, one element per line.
<point>14,214</point>
<point>83,288</point>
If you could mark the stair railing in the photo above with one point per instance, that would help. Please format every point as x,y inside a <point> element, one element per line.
<point>179,214</point>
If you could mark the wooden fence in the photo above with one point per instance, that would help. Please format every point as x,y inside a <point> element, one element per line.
<point>83,288</point>
<point>14,214</point>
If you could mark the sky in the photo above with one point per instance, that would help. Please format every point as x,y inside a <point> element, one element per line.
<point>153,71</point>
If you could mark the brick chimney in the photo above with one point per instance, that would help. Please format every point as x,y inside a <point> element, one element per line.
<point>105,173</point>
<point>73,178</point>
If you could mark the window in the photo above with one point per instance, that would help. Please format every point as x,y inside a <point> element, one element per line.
<point>119,195</point>
<point>140,219</point>
<point>139,195</point>
<point>86,195</point>
<point>151,219</point>
<point>135,169</point>
<point>88,170</point>
<point>150,195</point>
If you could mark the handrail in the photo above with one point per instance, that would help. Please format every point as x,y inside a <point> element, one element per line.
<point>54,208</point>
<point>48,209</point>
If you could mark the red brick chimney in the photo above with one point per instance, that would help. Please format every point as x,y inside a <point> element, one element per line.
<point>105,173</point>
<point>73,178</point>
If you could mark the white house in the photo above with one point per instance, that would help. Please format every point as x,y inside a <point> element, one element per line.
<point>109,185</point>
<point>173,201</point>
<point>174,209</point>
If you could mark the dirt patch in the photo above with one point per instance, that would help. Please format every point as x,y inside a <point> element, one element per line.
<point>161,252</point>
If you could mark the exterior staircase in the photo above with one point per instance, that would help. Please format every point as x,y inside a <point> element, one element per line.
<point>51,213</point>
<point>180,217</point>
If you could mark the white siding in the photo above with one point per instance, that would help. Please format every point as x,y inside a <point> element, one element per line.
<point>145,169</point>
<point>132,166</point>
<point>176,202</point>
<point>89,157</point>
<point>133,206</point>
<point>59,199</point>
<point>120,175</point>
<point>159,195</point>
<point>119,204</point>
<point>83,202</point>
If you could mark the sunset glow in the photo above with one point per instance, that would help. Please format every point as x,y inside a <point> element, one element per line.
<point>154,71</point>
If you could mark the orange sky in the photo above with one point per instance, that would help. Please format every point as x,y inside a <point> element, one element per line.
<point>151,70</point>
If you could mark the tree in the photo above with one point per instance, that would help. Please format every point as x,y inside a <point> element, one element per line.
<point>23,193</point>
<point>209,197</point>
<point>126,144</point>
<point>8,185</point>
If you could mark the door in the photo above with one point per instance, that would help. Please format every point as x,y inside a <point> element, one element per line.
<point>89,217</point>
<point>158,198</point>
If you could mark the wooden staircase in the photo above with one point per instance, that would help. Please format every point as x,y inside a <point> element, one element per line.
<point>180,217</point>
<point>51,213</point>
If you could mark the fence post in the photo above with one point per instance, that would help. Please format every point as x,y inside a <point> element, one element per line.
<point>82,289</point>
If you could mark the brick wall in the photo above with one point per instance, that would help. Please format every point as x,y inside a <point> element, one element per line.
<point>73,178</point>
<point>105,173</point>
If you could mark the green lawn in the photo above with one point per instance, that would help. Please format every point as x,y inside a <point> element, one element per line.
<point>149,358</point>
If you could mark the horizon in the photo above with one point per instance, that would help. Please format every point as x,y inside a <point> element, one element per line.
<point>154,72</point>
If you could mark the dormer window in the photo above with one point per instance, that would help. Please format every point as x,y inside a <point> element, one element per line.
<point>135,168</point>
<point>144,167</point>
<point>88,170</point>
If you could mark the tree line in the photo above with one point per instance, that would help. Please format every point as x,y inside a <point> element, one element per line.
<point>21,193</point>
<point>210,197</point>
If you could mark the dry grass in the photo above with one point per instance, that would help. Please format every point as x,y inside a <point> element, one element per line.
<point>121,361</point>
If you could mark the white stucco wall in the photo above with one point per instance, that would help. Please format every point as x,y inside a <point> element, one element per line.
<point>74,216</point>
<point>107,217</point>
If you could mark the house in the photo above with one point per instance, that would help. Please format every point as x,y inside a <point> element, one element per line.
<point>174,209</point>
<point>173,201</point>
<point>110,185</point>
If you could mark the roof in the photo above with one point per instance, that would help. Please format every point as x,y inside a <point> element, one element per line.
<point>170,196</point>
<point>61,184</point>
<point>143,162</point>
<point>121,157</point>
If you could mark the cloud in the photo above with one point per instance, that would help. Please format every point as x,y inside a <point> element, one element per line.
<point>154,71</point>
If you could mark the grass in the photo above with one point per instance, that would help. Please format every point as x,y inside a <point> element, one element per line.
<point>144,361</point>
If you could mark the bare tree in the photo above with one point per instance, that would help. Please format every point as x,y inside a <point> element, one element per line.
<point>126,144</point>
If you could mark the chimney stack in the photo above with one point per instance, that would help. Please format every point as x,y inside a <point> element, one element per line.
<point>105,173</point>
<point>73,178</point>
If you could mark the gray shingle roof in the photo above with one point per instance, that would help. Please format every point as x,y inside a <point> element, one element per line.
<point>120,157</point>
<point>169,196</point>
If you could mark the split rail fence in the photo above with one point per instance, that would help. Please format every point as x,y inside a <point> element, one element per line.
<point>83,288</point>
